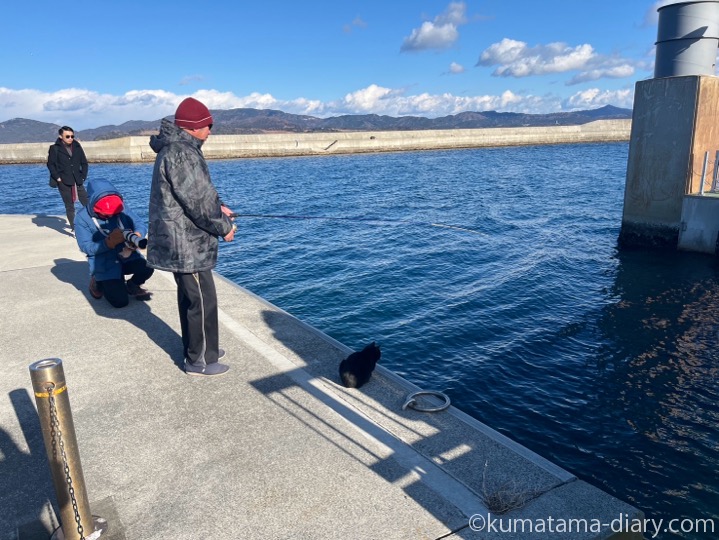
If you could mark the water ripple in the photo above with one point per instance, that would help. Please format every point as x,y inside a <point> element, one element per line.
<point>603,362</point>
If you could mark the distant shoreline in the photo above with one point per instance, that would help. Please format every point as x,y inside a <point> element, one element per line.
<point>137,149</point>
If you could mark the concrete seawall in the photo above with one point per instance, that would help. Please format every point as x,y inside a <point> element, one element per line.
<point>277,448</point>
<point>137,149</point>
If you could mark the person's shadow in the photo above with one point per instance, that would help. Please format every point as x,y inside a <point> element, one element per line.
<point>136,312</point>
<point>52,222</point>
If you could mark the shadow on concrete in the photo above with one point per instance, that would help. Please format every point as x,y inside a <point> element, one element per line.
<point>395,468</point>
<point>52,222</point>
<point>136,312</point>
<point>26,478</point>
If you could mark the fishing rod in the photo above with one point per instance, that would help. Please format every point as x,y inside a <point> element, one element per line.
<point>372,221</point>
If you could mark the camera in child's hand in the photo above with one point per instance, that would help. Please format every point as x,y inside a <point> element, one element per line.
<point>134,239</point>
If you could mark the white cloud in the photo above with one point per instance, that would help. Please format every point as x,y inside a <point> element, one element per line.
<point>615,72</point>
<point>227,100</point>
<point>516,59</point>
<point>368,99</point>
<point>509,98</point>
<point>378,100</point>
<point>456,68</point>
<point>594,98</point>
<point>454,14</point>
<point>440,33</point>
<point>85,109</point>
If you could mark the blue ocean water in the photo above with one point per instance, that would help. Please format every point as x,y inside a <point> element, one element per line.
<point>602,361</point>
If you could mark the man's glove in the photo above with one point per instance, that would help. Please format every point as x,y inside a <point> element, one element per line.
<point>114,239</point>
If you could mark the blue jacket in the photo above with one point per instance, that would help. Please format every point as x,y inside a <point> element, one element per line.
<point>105,263</point>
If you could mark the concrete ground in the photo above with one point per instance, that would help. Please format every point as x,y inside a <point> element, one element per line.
<point>275,449</point>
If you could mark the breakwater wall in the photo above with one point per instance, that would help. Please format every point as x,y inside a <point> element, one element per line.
<point>137,149</point>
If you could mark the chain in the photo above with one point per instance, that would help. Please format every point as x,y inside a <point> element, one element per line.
<point>55,433</point>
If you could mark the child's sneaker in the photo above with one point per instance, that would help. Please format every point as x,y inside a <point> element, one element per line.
<point>95,292</point>
<point>137,291</point>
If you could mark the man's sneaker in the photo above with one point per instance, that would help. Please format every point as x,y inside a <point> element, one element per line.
<point>94,291</point>
<point>206,370</point>
<point>220,354</point>
<point>137,291</point>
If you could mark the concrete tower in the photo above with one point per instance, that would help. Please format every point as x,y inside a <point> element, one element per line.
<point>674,144</point>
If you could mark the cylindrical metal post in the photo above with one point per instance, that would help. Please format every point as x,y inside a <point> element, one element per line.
<point>687,39</point>
<point>704,173</point>
<point>716,171</point>
<point>58,432</point>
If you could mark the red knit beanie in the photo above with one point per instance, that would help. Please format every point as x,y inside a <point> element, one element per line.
<point>192,114</point>
<point>108,205</point>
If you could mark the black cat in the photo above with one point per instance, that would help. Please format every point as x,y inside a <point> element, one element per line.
<point>357,368</point>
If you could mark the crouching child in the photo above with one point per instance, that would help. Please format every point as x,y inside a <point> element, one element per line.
<point>109,233</point>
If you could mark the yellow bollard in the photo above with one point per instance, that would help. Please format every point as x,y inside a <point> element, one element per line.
<point>58,432</point>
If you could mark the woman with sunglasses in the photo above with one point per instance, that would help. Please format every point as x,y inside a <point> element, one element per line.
<point>67,164</point>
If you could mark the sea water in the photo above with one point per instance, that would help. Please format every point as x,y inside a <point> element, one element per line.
<point>533,322</point>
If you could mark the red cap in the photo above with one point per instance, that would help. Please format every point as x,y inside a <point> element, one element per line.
<point>109,205</point>
<point>192,114</point>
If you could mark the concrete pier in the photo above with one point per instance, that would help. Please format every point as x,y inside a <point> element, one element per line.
<point>672,164</point>
<point>137,149</point>
<point>274,449</point>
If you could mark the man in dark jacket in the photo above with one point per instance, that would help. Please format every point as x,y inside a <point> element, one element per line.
<point>186,220</point>
<point>104,233</point>
<point>67,164</point>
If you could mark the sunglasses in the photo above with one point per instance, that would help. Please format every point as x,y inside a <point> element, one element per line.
<point>69,136</point>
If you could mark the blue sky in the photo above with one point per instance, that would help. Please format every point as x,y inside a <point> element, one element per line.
<point>93,63</point>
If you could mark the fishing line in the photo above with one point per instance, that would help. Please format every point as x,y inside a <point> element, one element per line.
<point>371,221</point>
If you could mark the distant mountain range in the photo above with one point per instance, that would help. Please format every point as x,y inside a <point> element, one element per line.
<point>248,121</point>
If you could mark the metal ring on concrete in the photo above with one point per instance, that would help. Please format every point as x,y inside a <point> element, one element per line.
<point>412,402</point>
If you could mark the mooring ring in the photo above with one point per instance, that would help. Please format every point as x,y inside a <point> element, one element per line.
<point>412,402</point>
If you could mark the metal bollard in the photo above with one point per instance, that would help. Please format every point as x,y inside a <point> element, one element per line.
<point>58,432</point>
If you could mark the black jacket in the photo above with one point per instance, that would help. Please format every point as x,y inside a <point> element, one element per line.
<point>71,168</point>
